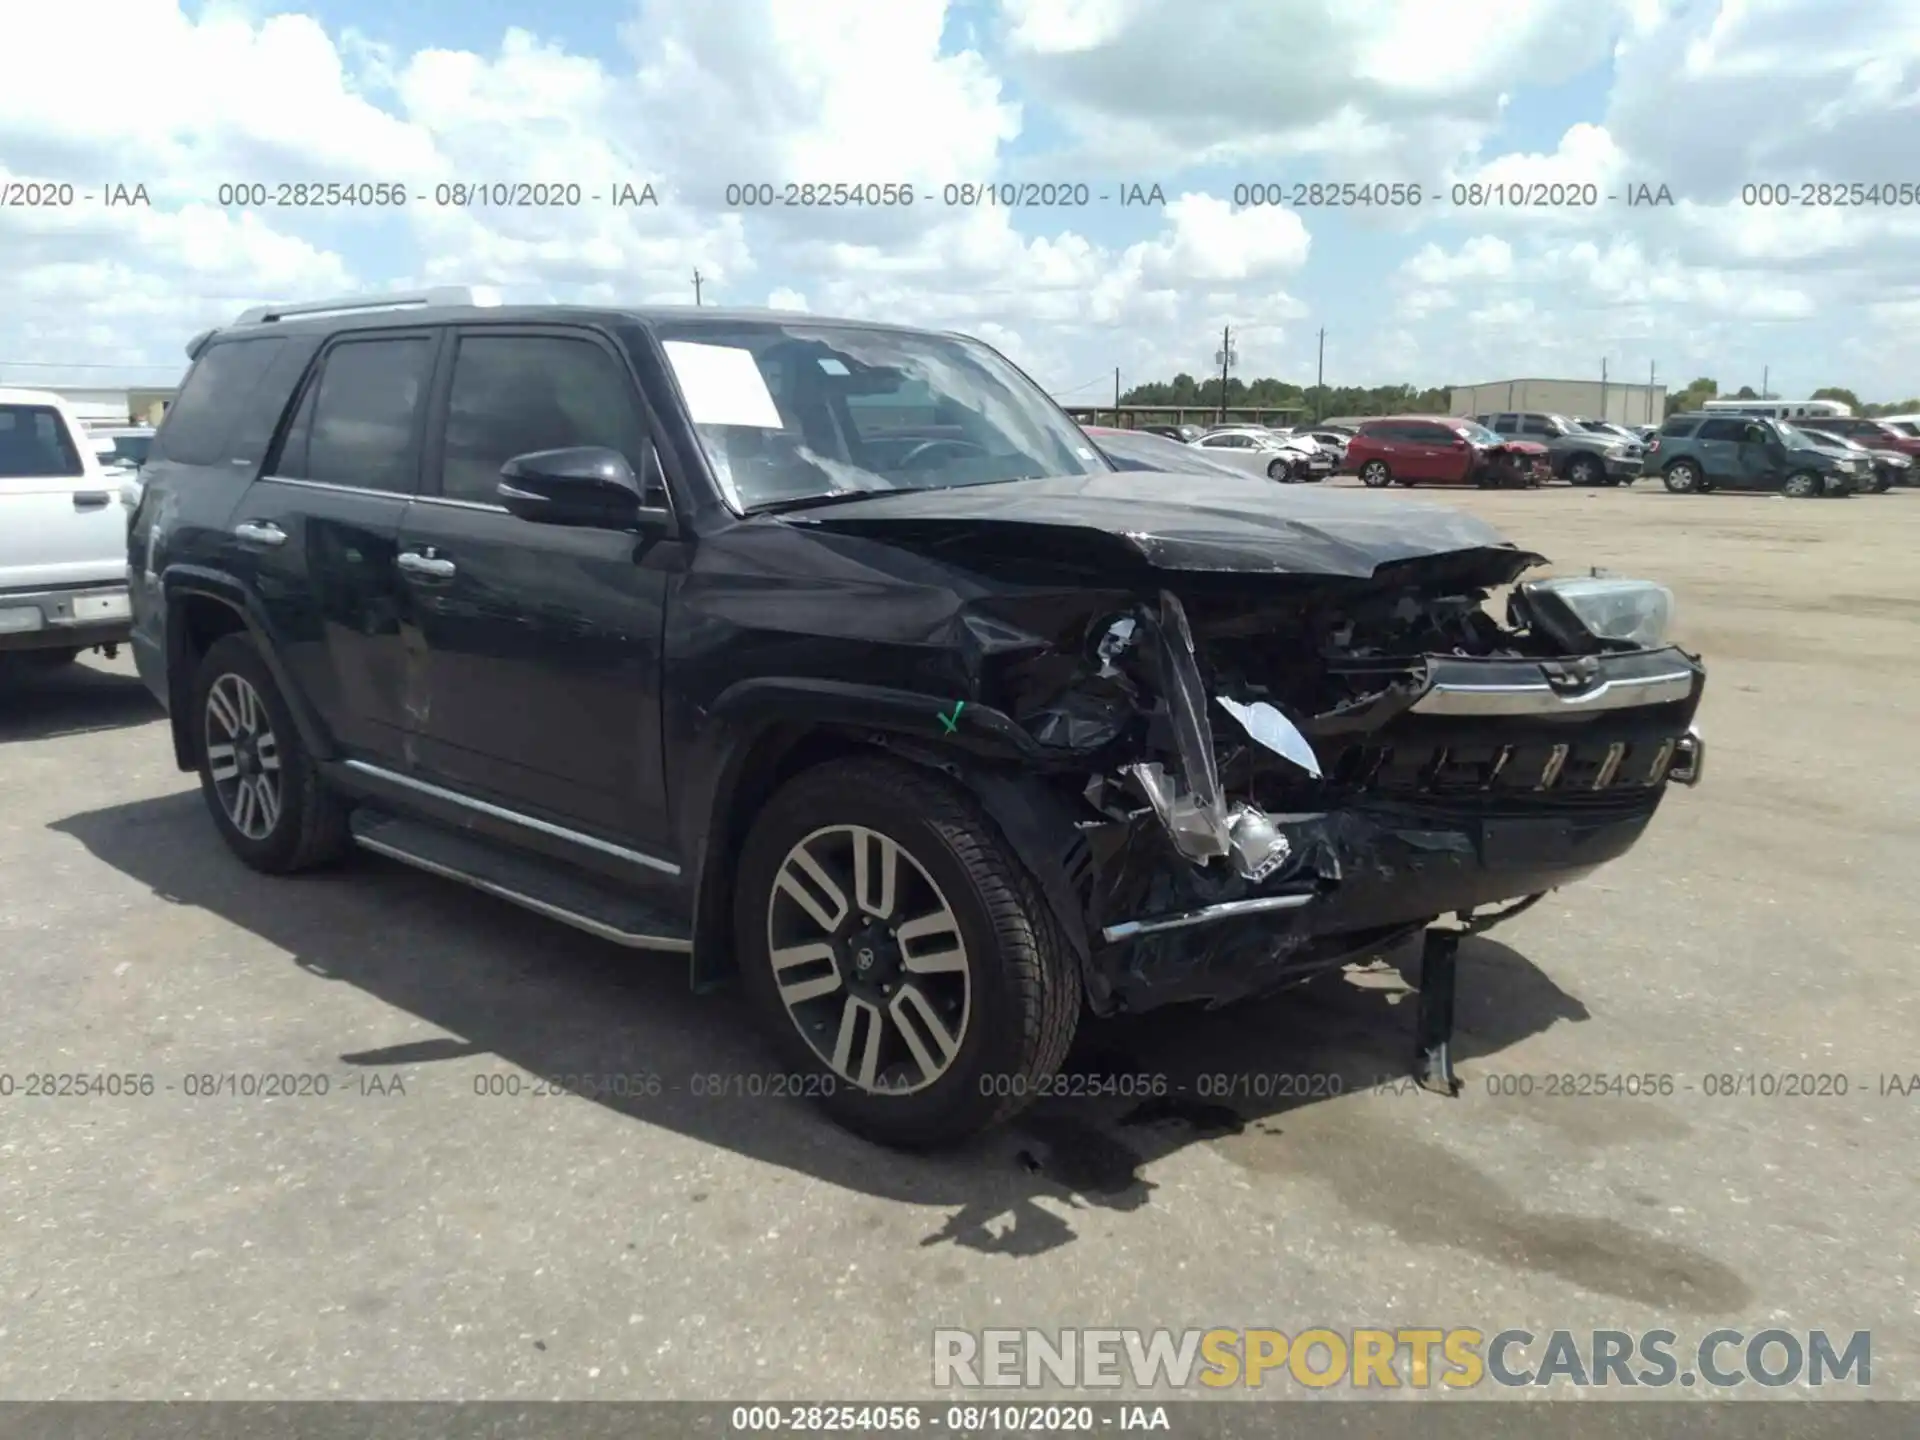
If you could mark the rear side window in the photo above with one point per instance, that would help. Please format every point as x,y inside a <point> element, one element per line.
<point>512,394</point>
<point>34,442</point>
<point>199,425</point>
<point>1724,429</point>
<point>1678,428</point>
<point>356,424</point>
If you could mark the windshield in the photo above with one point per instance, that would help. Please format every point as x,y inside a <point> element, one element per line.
<point>794,411</point>
<point>1478,434</point>
<point>1905,427</point>
<point>1794,435</point>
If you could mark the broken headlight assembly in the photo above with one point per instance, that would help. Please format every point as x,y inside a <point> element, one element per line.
<point>1594,612</point>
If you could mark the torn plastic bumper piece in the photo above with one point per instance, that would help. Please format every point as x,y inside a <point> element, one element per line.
<point>1433,1023</point>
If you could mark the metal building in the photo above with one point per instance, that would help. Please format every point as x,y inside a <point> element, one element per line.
<point>111,404</point>
<point>1592,399</point>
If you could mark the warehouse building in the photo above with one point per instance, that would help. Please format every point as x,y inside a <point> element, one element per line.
<point>1582,399</point>
<point>111,404</point>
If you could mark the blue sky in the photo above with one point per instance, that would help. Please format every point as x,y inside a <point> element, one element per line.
<point>1101,91</point>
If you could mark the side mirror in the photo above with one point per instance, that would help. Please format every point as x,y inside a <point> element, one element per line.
<point>586,485</point>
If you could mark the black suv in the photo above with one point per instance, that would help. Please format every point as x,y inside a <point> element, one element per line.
<point>834,656</point>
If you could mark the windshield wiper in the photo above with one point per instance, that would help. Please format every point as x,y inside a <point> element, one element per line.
<point>808,502</point>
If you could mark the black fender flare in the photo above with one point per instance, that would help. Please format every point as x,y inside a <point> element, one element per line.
<point>755,723</point>
<point>177,584</point>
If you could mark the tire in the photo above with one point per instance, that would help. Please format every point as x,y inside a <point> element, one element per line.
<point>1375,475</point>
<point>1584,470</point>
<point>1280,470</point>
<point>1801,485</point>
<point>242,728</point>
<point>1682,477</point>
<point>1014,998</point>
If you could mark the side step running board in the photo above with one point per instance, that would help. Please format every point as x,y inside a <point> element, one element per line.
<point>539,885</point>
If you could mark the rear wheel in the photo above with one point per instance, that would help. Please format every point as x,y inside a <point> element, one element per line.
<point>1683,477</point>
<point>898,956</point>
<point>264,791</point>
<point>1375,475</point>
<point>1801,485</point>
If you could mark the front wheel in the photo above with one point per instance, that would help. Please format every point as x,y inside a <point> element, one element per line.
<point>1801,485</point>
<point>1375,475</point>
<point>1584,471</point>
<point>904,964</point>
<point>1279,470</point>
<point>265,792</point>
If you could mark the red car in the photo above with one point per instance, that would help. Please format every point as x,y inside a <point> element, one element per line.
<point>1442,450</point>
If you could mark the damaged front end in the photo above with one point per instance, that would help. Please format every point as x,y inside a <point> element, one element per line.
<point>1275,775</point>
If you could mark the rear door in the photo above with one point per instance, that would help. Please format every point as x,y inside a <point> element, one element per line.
<point>61,523</point>
<point>540,645</point>
<point>316,537</point>
<point>1718,444</point>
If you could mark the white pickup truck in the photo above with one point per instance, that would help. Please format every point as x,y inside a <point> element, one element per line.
<point>63,535</point>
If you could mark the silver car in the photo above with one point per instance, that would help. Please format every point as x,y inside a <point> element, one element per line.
<point>1255,448</point>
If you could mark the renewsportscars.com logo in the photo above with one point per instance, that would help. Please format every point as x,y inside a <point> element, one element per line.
<point>1411,1357</point>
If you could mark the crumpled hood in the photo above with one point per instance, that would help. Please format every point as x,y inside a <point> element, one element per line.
<point>1176,522</point>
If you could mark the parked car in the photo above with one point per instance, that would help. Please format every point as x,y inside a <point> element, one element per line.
<point>930,742</point>
<point>1877,435</point>
<point>1256,448</point>
<point>1441,450</point>
<point>1607,427</point>
<point>1137,450</point>
<point>1886,468</point>
<point>1185,434</point>
<point>63,557</point>
<point>1700,452</point>
<point>130,443</point>
<point>1577,455</point>
<point>1902,424</point>
<point>1334,442</point>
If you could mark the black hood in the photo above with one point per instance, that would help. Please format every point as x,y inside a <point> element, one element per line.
<point>1194,523</point>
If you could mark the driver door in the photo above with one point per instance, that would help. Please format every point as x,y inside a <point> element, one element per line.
<point>1759,457</point>
<point>536,649</point>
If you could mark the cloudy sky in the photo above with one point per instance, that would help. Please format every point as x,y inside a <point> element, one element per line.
<point>1090,97</point>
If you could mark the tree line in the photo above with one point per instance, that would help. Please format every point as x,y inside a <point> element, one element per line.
<point>1271,394</point>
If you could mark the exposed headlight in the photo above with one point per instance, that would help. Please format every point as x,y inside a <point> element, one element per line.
<point>1633,612</point>
<point>1898,462</point>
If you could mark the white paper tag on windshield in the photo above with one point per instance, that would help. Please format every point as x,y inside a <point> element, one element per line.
<point>722,385</point>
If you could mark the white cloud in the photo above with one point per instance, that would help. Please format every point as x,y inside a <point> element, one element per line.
<point>690,98</point>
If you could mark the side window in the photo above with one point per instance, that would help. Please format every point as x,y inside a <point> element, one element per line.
<point>199,425</point>
<point>1506,424</point>
<point>1535,425</point>
<point>355,425</point>
<point>1430,434</point>
<point>513,394</point>
<point>1724,429</point>
<point>34,442</point>
<point>1675,429</point>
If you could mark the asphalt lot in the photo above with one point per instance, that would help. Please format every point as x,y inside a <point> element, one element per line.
<point>406,1237</point>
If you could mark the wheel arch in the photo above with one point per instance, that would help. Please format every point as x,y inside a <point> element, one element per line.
<point>202,608</point>
<point>763,734</point>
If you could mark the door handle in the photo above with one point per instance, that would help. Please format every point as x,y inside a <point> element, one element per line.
<point>417,564</point>
<point>90,499</point>
<point>260,532</point>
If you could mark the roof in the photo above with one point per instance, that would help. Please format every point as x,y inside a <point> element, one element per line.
<point>11,396</point>
<point>402,318</point>
<point>1432,419</point>
<point>1610,383</point>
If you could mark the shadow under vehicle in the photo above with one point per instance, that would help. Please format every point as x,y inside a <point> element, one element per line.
<point>835,657</point>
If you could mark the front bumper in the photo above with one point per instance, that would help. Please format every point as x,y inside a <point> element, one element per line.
<point>79,615</point>
<point>1627,467</point>
<point>1479,784</point>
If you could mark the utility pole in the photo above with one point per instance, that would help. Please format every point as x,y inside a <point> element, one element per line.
<point>1765,371</point>
<point>696,287</point>
<point>1652,370</point>
<point>1603,387</point>
<point>1320,376</point>
<point>1226,361</point>
<point>1116,394</point>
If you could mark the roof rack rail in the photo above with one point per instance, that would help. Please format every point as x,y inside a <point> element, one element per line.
<point>351,304</point>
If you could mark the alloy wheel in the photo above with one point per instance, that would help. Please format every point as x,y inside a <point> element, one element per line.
<point>869,960</point>
<point>243,756</point>
<point>1375,474</point>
